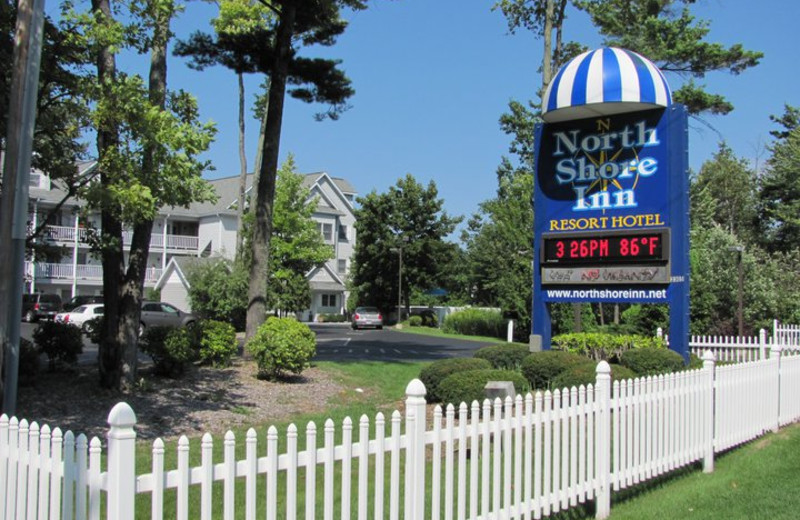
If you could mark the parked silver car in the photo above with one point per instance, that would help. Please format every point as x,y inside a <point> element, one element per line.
<point>367,317</point>
<point>155,314</point>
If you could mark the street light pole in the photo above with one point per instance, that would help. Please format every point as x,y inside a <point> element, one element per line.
<point>399,251</point>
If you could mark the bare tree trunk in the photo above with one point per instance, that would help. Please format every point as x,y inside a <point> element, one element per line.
<point>265,188</point>
<point>243,168</point>
<point>547,55</point>
<point>110,348</point>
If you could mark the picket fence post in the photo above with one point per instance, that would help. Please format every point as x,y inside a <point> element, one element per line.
<point>709,366</point>
<point>415,452</point>
<point>121,462</point>
<point>775,357</point>
<point>603,441</point>
<point>762,344</point>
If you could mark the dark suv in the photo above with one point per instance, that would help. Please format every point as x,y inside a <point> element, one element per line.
<point>83,299</point>
<point>40,305</point>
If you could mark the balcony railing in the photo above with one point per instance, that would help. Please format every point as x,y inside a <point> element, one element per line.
<point>174,242</point>
<point>49,271</point>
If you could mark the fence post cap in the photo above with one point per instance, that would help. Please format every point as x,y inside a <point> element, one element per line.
<point>122,416</point>
<point>709,356</point>
<point>416,388</point>
<point>604,368</point>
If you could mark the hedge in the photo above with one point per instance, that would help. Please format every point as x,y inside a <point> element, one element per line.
<point>475,322</point>
<point>652,361</point>
<point>599,346</point>
<point>282,345</point>
<point>432,375</point>
<point>465,387</point>
<point>504,357</point>
<point>586,373</point>
<point>540,368</point>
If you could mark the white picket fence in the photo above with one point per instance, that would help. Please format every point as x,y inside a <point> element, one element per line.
<point>522,458</point>
<point>739,349</point>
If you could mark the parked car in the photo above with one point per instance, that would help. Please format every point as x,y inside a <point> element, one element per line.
<point>367,317</point>
<point>83,299</point>
<point>155,314</point>
<point>40,305</point>
<point>81,315</point>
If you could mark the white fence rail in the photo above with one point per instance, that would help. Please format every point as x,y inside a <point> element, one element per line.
<point>741,349</point>
<point>522,458</point>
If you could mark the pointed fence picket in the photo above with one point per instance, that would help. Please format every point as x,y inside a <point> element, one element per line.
<point>524,457</point>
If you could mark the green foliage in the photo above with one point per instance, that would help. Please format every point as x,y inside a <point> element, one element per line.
<point>415,321</point>
<point>331,318</point>
<point>468,386</point>
<point>409,217</point>
<point>599,346</point>
<point>28,362</point>
<point>169,347</point>
<point>216,342</point>
<point>218,290</point>
<point>645,319</point>
<point>499,249</point>
<point>652,361</point>
<point>60,342</point>
<point>504,357</point>
<point>780,195</point>
<point>675,41</point>
<point>540,368</point>
<point>282,345</point>
<point>586,373</point>
<point>432,375</point>
<point>475,322</point>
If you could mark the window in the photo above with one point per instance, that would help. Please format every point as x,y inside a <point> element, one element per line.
<point>326,230</point>
<point>329,300</point>
<point>342,232</point>
<point>342,266</point>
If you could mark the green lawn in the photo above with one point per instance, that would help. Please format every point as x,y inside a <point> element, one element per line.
<point>759,480</point>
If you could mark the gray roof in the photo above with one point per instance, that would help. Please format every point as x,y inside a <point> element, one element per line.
<point>227,189</point>
<point>327,286</point>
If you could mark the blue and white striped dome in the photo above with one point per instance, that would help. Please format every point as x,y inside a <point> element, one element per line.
<point>603,82</point>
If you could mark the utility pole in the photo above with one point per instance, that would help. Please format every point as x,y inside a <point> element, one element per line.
<point>14,197</point>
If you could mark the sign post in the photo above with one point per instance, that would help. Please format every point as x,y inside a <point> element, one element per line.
<point>611,192</point>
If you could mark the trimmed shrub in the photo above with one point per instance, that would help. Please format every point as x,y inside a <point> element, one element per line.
<point>586,373</point>
<point>28,362</point>
<point>61,342</point>
<point>282,345</point>
<point>331,318</point>
<point>169,347</point>
<point>599,346</point>
<point>476,322</point>
<point>652,361</point>
<point>540,368</point>
<point>465,387</point>
<point>695,362</point>
<point>432,375</point>
<point>504,357</point>
<point>216,343</point>
<point>415,321</point>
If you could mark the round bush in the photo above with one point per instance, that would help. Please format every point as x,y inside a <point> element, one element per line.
<point>504,357</point>
<point>282,345</point>
<point>465,387</point>
<point>652,361</point>
<point>432,375</point>
<point>61,342</point>
<point>216,343</point>
<point>415,321</point>
<point>585,373</point>
<point>540,368</point>
<point>169,347</point>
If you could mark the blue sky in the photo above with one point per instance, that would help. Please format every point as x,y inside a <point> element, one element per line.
<point>432,77</point>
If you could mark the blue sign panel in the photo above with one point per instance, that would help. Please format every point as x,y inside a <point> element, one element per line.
<point>611,213</point>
